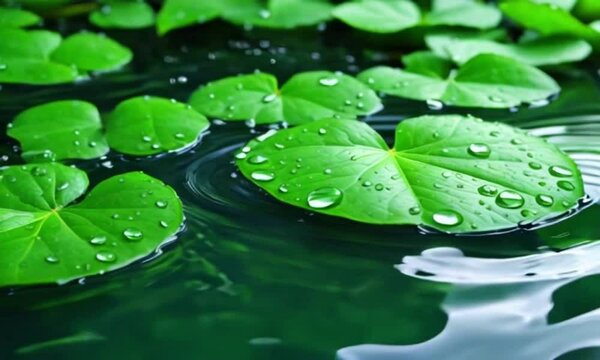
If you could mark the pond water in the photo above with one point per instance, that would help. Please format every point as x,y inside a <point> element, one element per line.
<point>252,278</point>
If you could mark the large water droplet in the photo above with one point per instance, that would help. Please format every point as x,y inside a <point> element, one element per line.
<point>52,259</point>
<point>324,198</point>
<point>544,200</point>
<point>566,185</point>
<point>261,175</point>
<point>98,240</point>
<point>133,234</point>
<point>447,218</point>
<point>487,190</point>
<point>269,98</point>
<point>329,81</point>
<point>509,200</point>
<point>106,256</point>
<point>559,171</point>
<point>415,210</point>
<point>479,150</point>
<point>535,166</point>
<point>257,159</point>
<point>161,204</point>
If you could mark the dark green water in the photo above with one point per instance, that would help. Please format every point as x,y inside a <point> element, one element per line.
<point>251,278</point>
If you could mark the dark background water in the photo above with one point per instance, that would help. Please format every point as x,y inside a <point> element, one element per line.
<point>251,278</point>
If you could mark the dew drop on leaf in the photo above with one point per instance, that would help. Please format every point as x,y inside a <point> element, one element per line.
<point>133,234</point>
<point>329,81</point>
<point>479,150</point>
<point>257,159</point>
<point>52,259</point>
<point>447,218</point>
<point>161,204</point>
<point>415,210</point>
<point>544,200</point>
<point>559,171</point>
<point>509,200</point>
<point>261,175</point>
<point>324,198</point>
<point>535,166</point>
<point>106,257</point>
<point>269,98</point>
<point>98,240</point>
<point>487,190</point>
<point>566,185</point>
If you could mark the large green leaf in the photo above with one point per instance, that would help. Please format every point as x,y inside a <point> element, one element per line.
<point>381,16</point>
<point>181,13</point>
<point>59,130</point>
<point>43,240</point>
<point>452,173</point>
<point>23,44</point>
<point>489,81</point>
<point>123,14</point>
<point>541,51</point>
<point>468,13</point>
<point>278,14</point>
<point>92,52</point>
<point>305,97</point>
<point>15,18</point>
<point>150,125</point>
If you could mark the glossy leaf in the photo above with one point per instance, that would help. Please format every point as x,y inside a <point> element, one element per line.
<point>44,240</point>
<point>541,51</point>
<point>23,44</point>
<point>16,18</point>
<point>380,16</point>
<point>181,13</point>
<point>565,4</point>
<point>305,97</point>
<point>278,14</point>
<point>151,125</point>
<point>123,14</point>
<point>467,13</point>
<point>452,173</point>
<point>59,130</point>
<point>92,52</point>
<point>487,80</point>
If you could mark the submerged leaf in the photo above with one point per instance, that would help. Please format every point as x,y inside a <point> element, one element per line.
<point>59,130</point>
<point>489,81</point>
<point>151,125</point>
<point>43,240</point>
<point>92,52</point>
<point>123,15</point>
<point>305,97</point>
<point>380,16</point>
<point>451,173</point>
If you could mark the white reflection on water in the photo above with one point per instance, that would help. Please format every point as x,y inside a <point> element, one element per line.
<point>498,308</point>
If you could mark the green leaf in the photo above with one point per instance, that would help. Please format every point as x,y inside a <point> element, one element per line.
<point>176,14</point>
<point>16,18</point>
<point>541,51</point>
<point>92,52</point>
<point>43,240</point>
<point>305,97</point>
<point>587,9</point>
<point>59,130</point>
<point>34,44</point>
<point>380,16</point>
<point>278,14</point>
<point>547,19</point>
<point>488,81</point>
<point>452,173</point>
<point>565,4</point>
<point>151,125</point>
<point>123,14</point>
<point>467,13</point>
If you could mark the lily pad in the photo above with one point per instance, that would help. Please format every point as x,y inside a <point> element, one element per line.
<point>487,80</point>
<point>467,13</point>
<point>151,125</point>
<point>541,51</point>
<point>123,14</point>
<point>452,173</point>
<point>44,240</point>
<point>92,52</point>
<point>380,16</point>
<point>176,14</point>
<point>278,14</point>
<point>16,18</point>
<point>305,97</point>
<point>59,130</point>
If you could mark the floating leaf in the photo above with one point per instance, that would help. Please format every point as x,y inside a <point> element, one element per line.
<point>150,125</point>
<point>279,14</point>
<point>468,13</point>
<point>380,16</point>
<point>565,4</point>
<point>16,18</point>
<point>123,15</point>
<point>489,81</point>
<point>451,173</point>
<point>43,240</point>
<point>541,51</point>
<point>181,13</point>
<point>59,130</point>
<point>305,97</point>
<point>92,52</point>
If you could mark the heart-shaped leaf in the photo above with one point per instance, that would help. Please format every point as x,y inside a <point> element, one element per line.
<point>16,18</point>
<point>541,51</point>
<point>467,13</point>
<point>59,130</point>
<point>92,52</point>
<point>123,15</point>
<point>43,240</point>
<point>305,97</point>
<point>380,16</point>
<point>487,80</point>
<point>181,13</point>
<point>150,125</point>
<point>452,173</point>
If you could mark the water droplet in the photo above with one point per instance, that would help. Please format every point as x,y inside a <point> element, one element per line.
<point>479,150</point>
<point>106,256</point>
<point>516,142</point>
<point>269,98</point>
<point>146,138</point>
<point>133,234</point>
<point>322,131</point>
<point>62,187</point>
<point>324,198</point>
<point>544,200</point>
<point>283,189</point>
<point>494,133</point>
<point>535,166</point>
<point>52,259</point>
<point>327,171</point>
<point>496,99</point>
<point>179,136</point>
<point>257,159</point>
<point>265,14</point>
<point>559,171</point>
<point>328,81</point>
<point>38,171</point>
<point>447,218</point>
<point>367,183</point>
<point>98,240</point>
<point>566,185</point>
<point>415,210</point>
<point>379,187</point>
<point>161,204</point>
<point>163,224</point>
<point>509,200</point>
<point>240,155</point>
<point>434,104</point>
<point>526,213</point>
<point>261,175</point>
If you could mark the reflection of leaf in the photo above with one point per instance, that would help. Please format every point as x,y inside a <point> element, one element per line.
<point>43,240</point>
<point>489,81</point>
<point>573,231</point>
<point>452,173</point>
<point>305,97</point>
<point>123,15</point>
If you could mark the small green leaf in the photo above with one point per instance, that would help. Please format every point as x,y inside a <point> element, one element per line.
<point>452,173</point>
<point>487,80</point>
<point>467,13</point>
<point>123,14</point>
<point>151,125</point>
<point>176,14</point>
<point>34,44</point>
<point>380,16</point>
<point>305,97</point>
<point>59,130</point>
<point>43,240</point>
<point>278,14</point>
<point>92,52</point>
<point>541,51</point>
<point>16,18</point>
